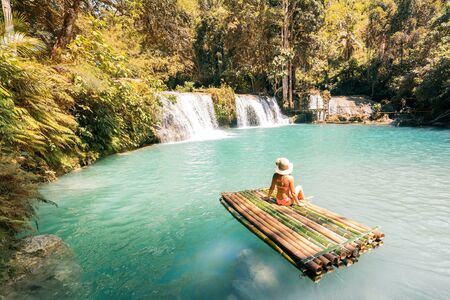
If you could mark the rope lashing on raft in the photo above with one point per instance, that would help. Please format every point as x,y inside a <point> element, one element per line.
<point>333,248</point>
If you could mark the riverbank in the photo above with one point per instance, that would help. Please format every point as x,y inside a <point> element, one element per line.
<point>363,110</point>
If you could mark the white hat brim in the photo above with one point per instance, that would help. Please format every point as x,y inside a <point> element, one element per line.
<point>285,172</point>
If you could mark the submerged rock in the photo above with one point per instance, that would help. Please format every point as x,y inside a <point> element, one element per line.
<point>42,268</point>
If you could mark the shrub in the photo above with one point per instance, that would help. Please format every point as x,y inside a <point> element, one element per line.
<point>34,111</point>
<point>187,87</point>
<point>224,101</point>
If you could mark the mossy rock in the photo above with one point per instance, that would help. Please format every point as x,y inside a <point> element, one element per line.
<point>303,117</point>
<point>224,101</point>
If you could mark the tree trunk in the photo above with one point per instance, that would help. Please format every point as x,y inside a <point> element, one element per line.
<point>7,15</point>
<point>285,46</point>
<point>293,84</point>
<point>71,9</point>
<point>285,91</point>
<point>291,102</point>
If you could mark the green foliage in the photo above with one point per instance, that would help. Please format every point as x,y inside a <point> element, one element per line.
<point>17,189</point>
<point>114,113</point>
<point>326,95</point>
<point>224,101</point>
<point>393,49</point>
<point>434,87</point>
<point>54,118</point>
<point>92,48</point>
<point>167,31</point>
<point>188,86</point>
<point>115,119</point>
<point>19,21</point>
<point>34,119</point>
<point>45,15</point>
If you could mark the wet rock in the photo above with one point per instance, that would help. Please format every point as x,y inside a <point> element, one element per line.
<point>408,120</point>
<point>303,117</point>
<point>42,268</point>
<point>35,252</point>
<point>350,105</point>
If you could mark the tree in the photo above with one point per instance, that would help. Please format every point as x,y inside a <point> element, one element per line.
<point>7,16</point>
<point>71,10</point>
<point>300,20</point>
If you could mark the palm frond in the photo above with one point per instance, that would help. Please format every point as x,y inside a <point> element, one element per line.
<point>21,44</point>
<point>19,21</point>
<point>4,91</point>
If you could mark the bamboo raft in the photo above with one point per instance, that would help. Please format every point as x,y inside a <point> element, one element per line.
<point>310,237</point>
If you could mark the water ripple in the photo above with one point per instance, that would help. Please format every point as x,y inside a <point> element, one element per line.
<point>148,224</point>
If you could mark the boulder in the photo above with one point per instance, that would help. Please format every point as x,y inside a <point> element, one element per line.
<point>42,268</point>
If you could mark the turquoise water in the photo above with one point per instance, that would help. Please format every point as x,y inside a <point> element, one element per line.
<point>148,224</point>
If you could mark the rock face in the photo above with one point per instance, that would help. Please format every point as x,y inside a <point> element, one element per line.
<point>340,109</point>
<point>42,268</point>
<point>350,105</point>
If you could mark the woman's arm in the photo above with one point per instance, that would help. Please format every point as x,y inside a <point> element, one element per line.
<point>272,187</point>
<point>292,189</point>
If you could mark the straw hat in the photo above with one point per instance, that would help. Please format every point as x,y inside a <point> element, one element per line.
<point>284,167</point>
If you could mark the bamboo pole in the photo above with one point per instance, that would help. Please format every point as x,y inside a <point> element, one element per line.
<point>352,248</point>
<point>349,222</point>
<point>320,241</point>
<point>342,253</point>
<point>306,242</point>
<point>338,219</point>
<point>361,239</point>
<point>309,237</point>
<point>331,224</point>
<point>274,235</point>
<point>299,252</point>
<point>314,226</point>
<point>296,239</point>
<point>330,256</point>
<point>291,235</point>
<point>317,248</point>
<point>328,222</point>
<point>263,223</point>
<point>257,232</point>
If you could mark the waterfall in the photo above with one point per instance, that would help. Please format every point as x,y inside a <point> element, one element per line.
<point>316,103</point>
<point>187,116</point>
<point>258,111</point>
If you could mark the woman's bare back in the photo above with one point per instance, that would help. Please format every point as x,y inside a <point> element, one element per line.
<point>284,186</point>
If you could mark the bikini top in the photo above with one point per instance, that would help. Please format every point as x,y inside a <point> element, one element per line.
<point>282,187</point>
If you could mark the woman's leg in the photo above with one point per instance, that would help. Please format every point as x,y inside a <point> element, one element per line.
<point>299,191</point>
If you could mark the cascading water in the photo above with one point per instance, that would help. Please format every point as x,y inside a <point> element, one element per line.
<point>258,111</point>
<point>187,116</point>
<point>316,103</point>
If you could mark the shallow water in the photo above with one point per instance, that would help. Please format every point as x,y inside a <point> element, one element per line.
<point>148,224</point>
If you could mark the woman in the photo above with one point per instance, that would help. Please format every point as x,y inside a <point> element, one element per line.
<point>284,182</point>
